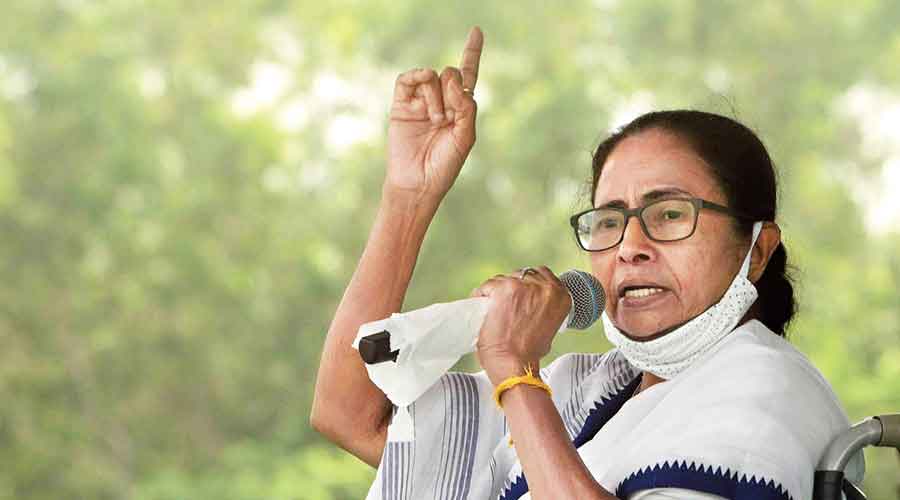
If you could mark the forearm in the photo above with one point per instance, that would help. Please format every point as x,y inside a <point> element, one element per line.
<point>550,461</point>
<point>345,400</point>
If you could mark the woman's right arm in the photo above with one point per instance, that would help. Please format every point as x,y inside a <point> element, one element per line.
<point>432,130</point>
<point>348,408</point>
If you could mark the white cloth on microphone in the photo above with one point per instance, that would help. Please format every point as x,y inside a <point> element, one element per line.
<point>430,341</point>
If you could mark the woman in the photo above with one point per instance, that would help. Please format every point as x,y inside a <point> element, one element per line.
<point>701,398</point>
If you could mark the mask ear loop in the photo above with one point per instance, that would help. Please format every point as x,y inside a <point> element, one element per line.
<point>745,266</point>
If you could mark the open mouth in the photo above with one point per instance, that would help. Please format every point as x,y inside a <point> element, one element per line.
<point>640,291</point>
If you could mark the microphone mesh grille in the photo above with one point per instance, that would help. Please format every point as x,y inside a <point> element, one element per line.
<point>588,299</point>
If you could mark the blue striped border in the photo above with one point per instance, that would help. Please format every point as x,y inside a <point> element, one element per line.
<point>603,411</point>
<point>702,478</point>
<point>396,480</point>
<point>597,418</point>
<point>461,416</point>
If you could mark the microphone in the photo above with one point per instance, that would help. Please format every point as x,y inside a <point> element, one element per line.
<point>588,301</point>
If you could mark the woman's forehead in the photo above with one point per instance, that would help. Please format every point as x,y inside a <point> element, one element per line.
<point>651,162</point>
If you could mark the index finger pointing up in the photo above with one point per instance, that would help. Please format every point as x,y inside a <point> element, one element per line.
<point>470,58</point>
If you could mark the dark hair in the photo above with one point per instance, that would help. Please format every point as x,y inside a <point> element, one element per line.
<point>743,169</point>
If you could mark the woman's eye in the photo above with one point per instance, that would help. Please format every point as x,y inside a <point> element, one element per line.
<point>605,224</point>
<point>608,223</point>
<point>672,215</point>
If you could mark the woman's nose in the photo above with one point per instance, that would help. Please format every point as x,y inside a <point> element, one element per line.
<point>635,245</point>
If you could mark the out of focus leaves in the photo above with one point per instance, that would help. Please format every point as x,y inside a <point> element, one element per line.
<point>185,188</point>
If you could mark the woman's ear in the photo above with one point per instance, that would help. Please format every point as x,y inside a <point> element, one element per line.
<point>766,243</point>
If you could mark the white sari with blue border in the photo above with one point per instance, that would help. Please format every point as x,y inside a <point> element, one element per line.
<point>748,420</point>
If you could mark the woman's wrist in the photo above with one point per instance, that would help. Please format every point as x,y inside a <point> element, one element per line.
<point>408,199</point>
<point>517,385</point>
<point>500,370</point>
<point>519,393</point>
<point>406,214</point>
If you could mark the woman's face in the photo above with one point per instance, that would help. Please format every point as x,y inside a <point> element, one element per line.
<point>692,273</point>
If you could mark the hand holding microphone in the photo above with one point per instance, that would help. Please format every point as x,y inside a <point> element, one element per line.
<point>526,311</point>
<point>510,320</point>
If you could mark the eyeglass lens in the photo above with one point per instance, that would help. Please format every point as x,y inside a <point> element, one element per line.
<point>664,220</point>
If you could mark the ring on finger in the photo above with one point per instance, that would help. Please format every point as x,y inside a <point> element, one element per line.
<point>526,271</point>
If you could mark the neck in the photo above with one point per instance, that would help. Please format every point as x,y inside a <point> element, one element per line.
<point>648,380</point>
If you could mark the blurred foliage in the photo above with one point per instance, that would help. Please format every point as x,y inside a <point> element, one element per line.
<point>185,188</point>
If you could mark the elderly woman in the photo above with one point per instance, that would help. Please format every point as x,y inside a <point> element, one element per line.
<point>701,397</point>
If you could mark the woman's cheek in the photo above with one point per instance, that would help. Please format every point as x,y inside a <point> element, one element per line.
<point>602,265</point>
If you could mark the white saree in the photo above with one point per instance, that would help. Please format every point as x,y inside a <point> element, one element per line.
<point>748,420</point>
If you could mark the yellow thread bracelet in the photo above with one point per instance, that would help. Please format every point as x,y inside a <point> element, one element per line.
<point>528,379</point>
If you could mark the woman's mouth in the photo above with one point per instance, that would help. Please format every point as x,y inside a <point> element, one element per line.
<point>641,297</point>
<point>642,292</point>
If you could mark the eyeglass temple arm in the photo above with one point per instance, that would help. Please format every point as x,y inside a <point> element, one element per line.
<point>720,208</point>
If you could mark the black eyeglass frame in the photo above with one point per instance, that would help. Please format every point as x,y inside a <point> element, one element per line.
<point>698,203</point>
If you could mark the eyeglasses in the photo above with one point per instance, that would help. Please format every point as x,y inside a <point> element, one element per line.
<point>669,219</point>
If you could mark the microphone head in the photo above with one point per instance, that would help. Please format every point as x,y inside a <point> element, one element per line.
<point>588,298</point>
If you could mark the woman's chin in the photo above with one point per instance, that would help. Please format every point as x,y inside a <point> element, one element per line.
<point>644,326</point>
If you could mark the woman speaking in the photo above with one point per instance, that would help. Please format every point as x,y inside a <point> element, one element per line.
<point>701,397</point>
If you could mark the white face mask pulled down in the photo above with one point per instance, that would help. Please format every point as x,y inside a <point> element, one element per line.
<point>669,355</point>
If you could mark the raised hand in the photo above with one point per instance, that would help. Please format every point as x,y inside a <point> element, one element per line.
<point>432,125</point>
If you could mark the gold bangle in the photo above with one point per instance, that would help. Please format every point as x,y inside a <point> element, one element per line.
<point>528,379</point>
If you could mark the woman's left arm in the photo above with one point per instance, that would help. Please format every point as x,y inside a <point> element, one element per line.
<point>522,319</point>
<point>552,465</point>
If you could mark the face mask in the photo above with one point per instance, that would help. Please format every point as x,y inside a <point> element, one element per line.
<point>669,355</point>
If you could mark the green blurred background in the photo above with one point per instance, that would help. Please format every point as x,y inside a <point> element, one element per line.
<point>186,187</point>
